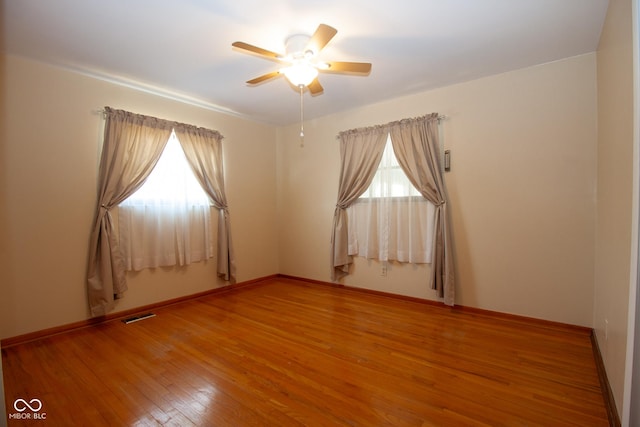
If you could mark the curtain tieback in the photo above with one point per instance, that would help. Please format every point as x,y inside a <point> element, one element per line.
<point>439,204</point>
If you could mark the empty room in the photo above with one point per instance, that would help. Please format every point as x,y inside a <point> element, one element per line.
<point>362,213</point>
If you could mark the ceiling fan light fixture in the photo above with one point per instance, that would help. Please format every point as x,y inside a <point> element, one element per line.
<point>300,73</point>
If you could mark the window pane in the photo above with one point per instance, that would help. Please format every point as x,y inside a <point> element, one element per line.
<point>390,180</point>
<point>171,181</point>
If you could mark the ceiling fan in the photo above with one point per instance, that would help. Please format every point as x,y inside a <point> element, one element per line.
<point>301,64</point>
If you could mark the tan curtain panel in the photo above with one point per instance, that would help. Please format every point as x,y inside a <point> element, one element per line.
<point>416,146</point>
<point>132,146</point>
<point>360,154</point>
<point>203,149</point>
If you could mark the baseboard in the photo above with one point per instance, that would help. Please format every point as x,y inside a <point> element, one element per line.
<point>459,308</point>
<point>32,336</point>
<point>12,341</point>
<point>607,393</point>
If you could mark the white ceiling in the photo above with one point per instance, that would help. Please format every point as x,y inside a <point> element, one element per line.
<point>182,48</point>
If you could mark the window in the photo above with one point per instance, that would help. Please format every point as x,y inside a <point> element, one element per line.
<point>168,220</point>
<point>391,220</point>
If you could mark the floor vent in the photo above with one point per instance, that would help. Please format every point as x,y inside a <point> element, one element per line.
<point>137,318</point>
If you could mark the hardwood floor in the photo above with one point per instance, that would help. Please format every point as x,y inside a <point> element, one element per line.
<point>287,353</point>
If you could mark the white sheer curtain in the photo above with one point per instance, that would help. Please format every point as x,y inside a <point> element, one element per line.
<point>168,220</point>
<point>391,220</point>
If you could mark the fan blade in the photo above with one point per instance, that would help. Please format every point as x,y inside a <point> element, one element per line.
<point>320,38</point>
<point>264,78</point>
<point>348,67</point>
<point>315,87</point>
<point>259,51</point>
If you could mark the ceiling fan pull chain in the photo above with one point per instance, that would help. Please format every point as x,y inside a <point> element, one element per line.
<point>301,116</point>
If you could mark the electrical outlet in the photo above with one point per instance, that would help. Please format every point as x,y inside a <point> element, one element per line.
<point>383,270</point>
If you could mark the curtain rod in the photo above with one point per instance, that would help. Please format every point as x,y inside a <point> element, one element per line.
<point>104,113</point>
<point>440,117</point>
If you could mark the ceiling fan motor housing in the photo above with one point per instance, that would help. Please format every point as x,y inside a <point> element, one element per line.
<point>296,45</point>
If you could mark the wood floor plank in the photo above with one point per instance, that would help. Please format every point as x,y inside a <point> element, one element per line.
<point>287,353</point>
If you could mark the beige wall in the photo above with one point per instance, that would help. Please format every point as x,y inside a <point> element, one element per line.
<point>522,190</point>
<point>615,173</point>
<point>49,156</point>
